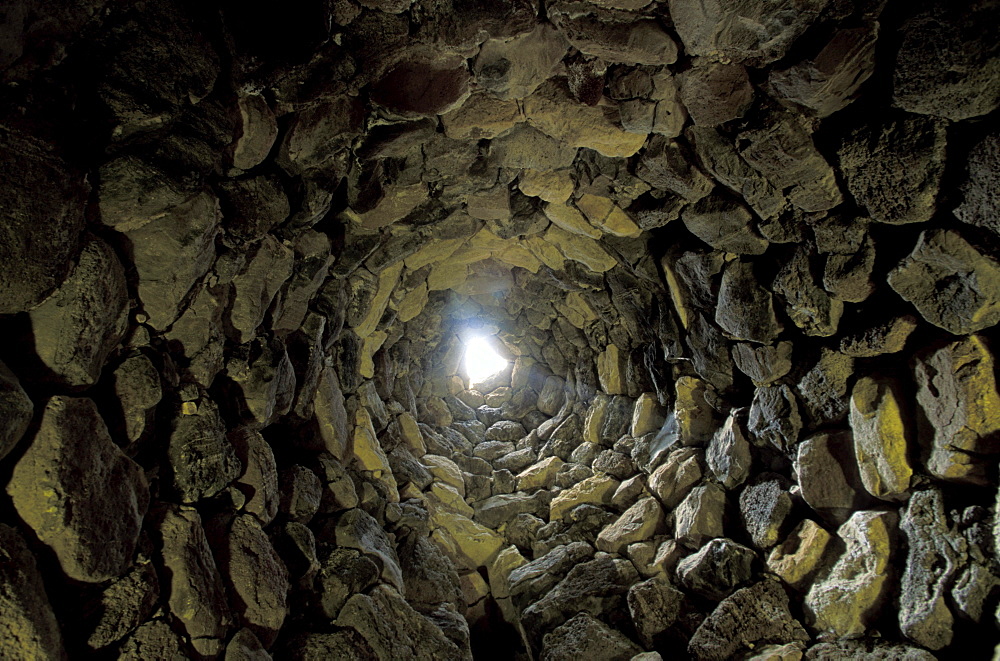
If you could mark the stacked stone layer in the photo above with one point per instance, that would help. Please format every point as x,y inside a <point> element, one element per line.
<point>742,257</point>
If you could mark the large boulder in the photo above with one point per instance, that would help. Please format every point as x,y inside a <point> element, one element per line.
<point>79,493</point>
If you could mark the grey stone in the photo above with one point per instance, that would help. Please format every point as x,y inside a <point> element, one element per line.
<point>356,529</point>
<point>585,637</point>
<point>723,161</point>
<point>783,151</point>
<point>244,646</point>
<point>828,475</point>
<point>342,573</point>
<point>756,614</point>
<point>154,640</point>
<point>256,285</point>
<point>122,606</point>
<point>79,493</point>
<point>40,184</point>
<point>699,516</point>
<point>764,508</point>
<point>301,493</point>
<point>431,577</point>
<point>725,225</point>
<point>958,397</point>
<point>851,595</point>
<point>654,606</point>
<point>823,389</point>
<point>253,207</point>
<point>532,581</point>
<point>664,166</point>
<point>171,253</point>
<point>137,386</point>
<point>259,480</point>
<point>716,569</point>
<point>775,417</point>
<point>879,338</point>
<point>933,551</point>
<point>980,188</point>
<point>28,627</point>
<point>753,31</point>
<point>716,93</point>
<point>807,304</point>
<point>196,594</point>
<point>392,629</point>
<point>597,587</point>
<point>763,364</point>
<point>828,82</point>
<point>728,453</point>
<point>264,375</point>
<point>745,310</point>
<point>493,450</point>
<point>894,169</point>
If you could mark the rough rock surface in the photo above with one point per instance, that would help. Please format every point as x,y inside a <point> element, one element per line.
<point>738,256</point>
<point>80,495</point>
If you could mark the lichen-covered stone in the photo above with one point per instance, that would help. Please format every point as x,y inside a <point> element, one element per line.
<point>881,438</point>
<point>79,493</point>
<point>639,522</point>
<point>951,283</point>
<point>847,600</point>
<point>800,555</point>
<point>957,393</point>
<point>933,551</point>
<point>699,516</point>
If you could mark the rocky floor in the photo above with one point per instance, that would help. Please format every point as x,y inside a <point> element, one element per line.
<point>742,257</point>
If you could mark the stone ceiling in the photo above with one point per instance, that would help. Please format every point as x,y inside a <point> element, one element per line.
<point>743,254</point>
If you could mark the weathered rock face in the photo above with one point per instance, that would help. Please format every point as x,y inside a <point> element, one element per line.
<point>79,494</point>
<point>740,259</point>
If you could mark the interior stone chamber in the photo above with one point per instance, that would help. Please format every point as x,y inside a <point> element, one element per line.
<point>740,258</point>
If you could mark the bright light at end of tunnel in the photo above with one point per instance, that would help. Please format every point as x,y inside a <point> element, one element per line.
<point>481,360</point>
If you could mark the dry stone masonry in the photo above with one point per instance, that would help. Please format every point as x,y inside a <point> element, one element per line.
<point>742,258</point>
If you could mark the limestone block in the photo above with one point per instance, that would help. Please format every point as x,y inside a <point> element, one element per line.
<point>482,116</point>
<point>570,219</point>
<point>894,169</point>
<point>171,253</point>
<point>951,283</point>
<point>673,481</point>
<point>197,596</point>
<point>880,438</point>
<point>957,392</point>
<point>77,327</point>
<point>367,453</point>
<point>639,522</point>
<point>540,475</point>
<point>580,249</point>
<point>471,545</point>
<point>16,411</point>
<point>699,516</point>
<point>800,555</point>
<point>933,554</point>
<point>846,601</point>
<point>552,110</point>
<point>514,68</point>
<point>611,370</point>
<point>595,490</point>
<point>728,454</point>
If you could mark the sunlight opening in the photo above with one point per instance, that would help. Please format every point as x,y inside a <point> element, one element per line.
<point>481,360</point>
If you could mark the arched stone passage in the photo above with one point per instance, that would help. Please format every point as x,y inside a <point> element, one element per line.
<point>742,257</point>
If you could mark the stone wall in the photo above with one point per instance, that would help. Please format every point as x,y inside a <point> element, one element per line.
<point>742,258</point>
